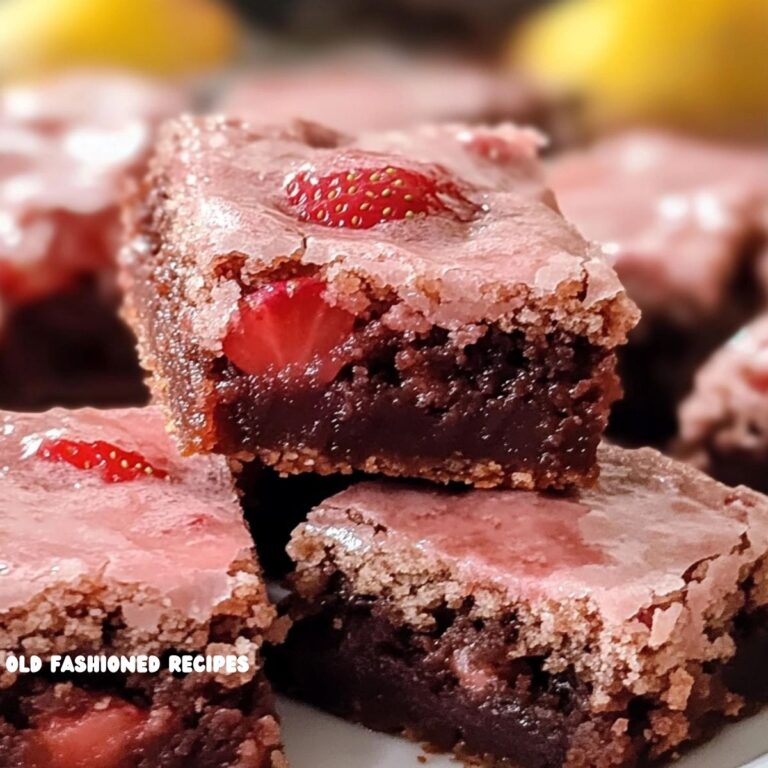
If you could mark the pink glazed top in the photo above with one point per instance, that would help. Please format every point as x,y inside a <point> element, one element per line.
<point>623,544</point>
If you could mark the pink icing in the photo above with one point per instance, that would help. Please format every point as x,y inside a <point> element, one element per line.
<point>175,538</point>
<point>621,544</point>
<point>226,185</point>
<point>672,212</point>
<point>68,144</point>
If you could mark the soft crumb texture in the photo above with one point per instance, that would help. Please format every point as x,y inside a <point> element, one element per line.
<point>724,421</point>
<point>633,597</point>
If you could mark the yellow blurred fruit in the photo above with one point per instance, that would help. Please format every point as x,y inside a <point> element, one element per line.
<point>692,63</point>
<point>160,36</point>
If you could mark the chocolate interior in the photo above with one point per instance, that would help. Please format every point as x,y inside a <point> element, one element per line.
<point>418,401</point>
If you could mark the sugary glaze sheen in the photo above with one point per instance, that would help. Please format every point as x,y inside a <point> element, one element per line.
<point>176,542</point>
<point>153,565</point>
<point>642,562</point>
<point>677,215</point>
<point>622,544</point>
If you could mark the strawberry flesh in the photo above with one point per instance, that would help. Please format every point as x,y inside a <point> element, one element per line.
<point>95,738</point>
<point>116,464</point>
<point>361,198</point>
<point>288,327</point>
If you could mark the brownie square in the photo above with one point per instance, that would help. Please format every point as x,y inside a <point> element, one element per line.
<point>606,628</point>
<point>70,144</point>
<point>724,420</point>
<point>408,303</point>
<point>116,546</point>
<point>683,220</point>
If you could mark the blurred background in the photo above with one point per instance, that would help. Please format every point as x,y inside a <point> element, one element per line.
<point>700,64</point>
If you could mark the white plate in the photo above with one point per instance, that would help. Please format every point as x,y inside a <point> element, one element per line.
<point>316,740</point>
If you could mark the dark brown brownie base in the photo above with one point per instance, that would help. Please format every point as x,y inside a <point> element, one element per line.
<point>194,723</point>
<point>70,350</point>
<point>353,661</point>
<point>502,411</point>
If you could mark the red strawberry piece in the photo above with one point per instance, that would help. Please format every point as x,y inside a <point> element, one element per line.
<point>116,464</point>
<point>288,326</point>
<point>361,198</point>
<point>95,738</point>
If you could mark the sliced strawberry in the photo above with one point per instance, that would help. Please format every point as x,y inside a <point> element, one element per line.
<point>288,326</point>
<point>95,738</point>
<point>361,198</point>
<point>116,464</point>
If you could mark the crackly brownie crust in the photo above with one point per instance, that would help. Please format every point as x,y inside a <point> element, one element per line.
<point>516,414</point>
<point>561,656</point>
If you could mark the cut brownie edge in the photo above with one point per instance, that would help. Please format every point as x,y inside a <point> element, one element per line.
<point>500,411</point>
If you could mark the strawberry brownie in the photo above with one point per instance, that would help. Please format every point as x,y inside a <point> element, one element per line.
<point>724,421</point>
<point>602,629</point>
<point>68,145</point>
<point>408,303</point>
<point>683,220</point>
<point>115,546</point>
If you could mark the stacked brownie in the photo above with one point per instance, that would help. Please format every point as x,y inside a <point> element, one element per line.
<point>69,145</point>
<point>412,304</point>
<point>405,303</point>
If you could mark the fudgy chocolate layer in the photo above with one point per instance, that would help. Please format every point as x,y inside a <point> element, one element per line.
<point>192,722</point>
<point>422,406</point>
<point>71,349</point>
<point>456,689</point>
